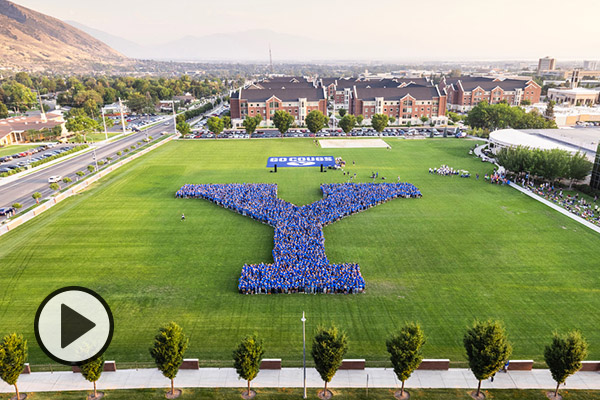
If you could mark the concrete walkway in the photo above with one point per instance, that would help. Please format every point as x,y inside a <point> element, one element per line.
<point>292,378</point>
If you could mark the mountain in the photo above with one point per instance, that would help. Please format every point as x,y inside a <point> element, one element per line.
<point>250,45</point>
<point>123,46</point>
<point>245,45</point>
<point>31,40</point>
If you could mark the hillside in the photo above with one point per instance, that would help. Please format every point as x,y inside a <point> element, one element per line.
<point>32,40</point>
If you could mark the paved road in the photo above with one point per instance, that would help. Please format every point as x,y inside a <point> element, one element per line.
<point>21,190</point>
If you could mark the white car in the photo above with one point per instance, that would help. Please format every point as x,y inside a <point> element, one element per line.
<point>54,179</point>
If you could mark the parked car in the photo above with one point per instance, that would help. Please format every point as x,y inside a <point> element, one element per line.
<point>54,179</point>
<point>7,211</point>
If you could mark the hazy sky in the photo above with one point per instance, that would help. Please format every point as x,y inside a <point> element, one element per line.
<point>423,29</point>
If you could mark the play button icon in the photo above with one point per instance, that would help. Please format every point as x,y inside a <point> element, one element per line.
<point>73,324</point>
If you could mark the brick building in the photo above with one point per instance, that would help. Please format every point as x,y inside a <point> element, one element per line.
<point>339,91</point>
<point>465,92</point>
<point>297,101</point>
<point>405,104</point>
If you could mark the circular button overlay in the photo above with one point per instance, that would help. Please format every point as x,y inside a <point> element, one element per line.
<point>73,325</point>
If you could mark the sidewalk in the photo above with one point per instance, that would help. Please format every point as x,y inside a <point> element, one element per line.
<point>292,378</point>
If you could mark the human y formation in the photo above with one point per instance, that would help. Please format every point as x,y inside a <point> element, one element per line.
<point>300,263</point>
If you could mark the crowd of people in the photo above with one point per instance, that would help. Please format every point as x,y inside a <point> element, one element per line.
<point>300,263</point>
<point>444,170</point>
<point>497,178</point>
<point>586,209</point>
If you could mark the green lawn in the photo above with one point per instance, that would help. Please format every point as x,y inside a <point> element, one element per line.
<point>9,150</point>
<point>285,394</point>
<point>466,250</point>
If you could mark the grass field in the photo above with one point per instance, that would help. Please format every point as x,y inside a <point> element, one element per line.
<point>466,250</point>
<point>286,394</point>
<point>9,150</point>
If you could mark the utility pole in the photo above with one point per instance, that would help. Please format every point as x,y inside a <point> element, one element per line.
<point>270,58</point>
<point>43,113</point>
<point>304,350</point>
<point>104,122</point>
<point>122,117</point>
<point>174,117</point>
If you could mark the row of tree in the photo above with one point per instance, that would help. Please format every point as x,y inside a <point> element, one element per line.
<point>315,121</point>
<point>549,165</point>
<point>502,116</point>
<point>486,346</point>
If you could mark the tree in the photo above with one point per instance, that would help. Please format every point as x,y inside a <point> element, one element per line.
<point>564,356</point>
<point>3,111</point>
<point>424,119</point>
<point>247,358</point>
<point>379,122</point>
<point>37,196</point>
<point>525,102</point>
<point>80,173</point>
<point>91,168</point>
<point>92,370</point>
<point>342,112</point>
<point>549,113</point>
<point>24,79</point>
<point>54,186</point>
<point>250,124</point>
<point>139,103</point>
<point>169,347</point>
<point>454,117</point>
<point>17,206</point>
<point>487,349</point>
<point>328,349</point>
<point>183,128</point>
<point>215,125</point>
<point>359,119</point>
<point>579,167</point>
<point>82,124</point>
<point>347,123</point>
<point>405,351</point>
<point>66,179</point>
<point>227,122</point>
<point>20,96</point>
<point>315,121</point>
<point>13,355</point>
<point>282,121</point>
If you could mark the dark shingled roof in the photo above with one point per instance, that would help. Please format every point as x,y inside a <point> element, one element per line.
<point>282,85</point>
<point>471,82</point>
<point>293,94</point>
<point>381,83</point>
<point>419,92</point>
<point>284,79</point>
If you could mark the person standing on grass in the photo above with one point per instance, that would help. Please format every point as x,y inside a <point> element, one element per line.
<point>182,216</point>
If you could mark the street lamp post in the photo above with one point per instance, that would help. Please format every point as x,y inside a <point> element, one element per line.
<point>104,121</point>
<point>304,350</point>
<point>95,159</point>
